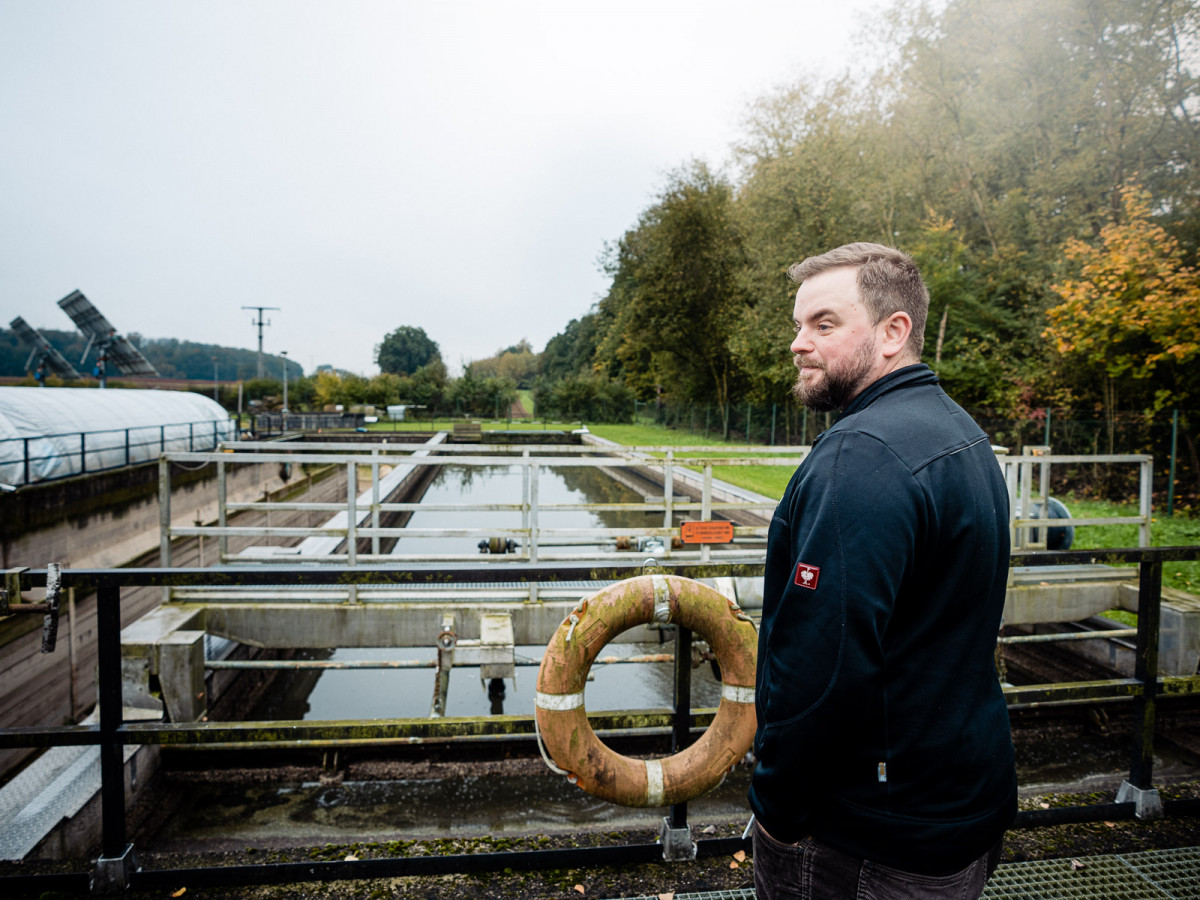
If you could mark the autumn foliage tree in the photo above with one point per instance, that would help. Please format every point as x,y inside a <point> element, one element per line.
<point>1132,314</point>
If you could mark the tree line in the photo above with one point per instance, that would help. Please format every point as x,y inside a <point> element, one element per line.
<point>1038,158</point>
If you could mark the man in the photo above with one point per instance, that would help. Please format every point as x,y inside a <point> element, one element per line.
<point>885,761</point>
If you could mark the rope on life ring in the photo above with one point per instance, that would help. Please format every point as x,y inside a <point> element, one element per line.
<point>561,719</point>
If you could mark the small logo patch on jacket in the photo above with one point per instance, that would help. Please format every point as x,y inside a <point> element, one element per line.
<point>806,575</point>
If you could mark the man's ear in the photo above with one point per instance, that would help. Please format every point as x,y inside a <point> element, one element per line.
<point>896,329</point>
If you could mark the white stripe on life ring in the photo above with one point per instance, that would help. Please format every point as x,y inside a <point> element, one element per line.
<point>736,694</point>
<point>662,599</point>
<point>558,702</point>
<point>654,782</point>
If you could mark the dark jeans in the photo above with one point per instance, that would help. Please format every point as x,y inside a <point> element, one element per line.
<point>811,870</point>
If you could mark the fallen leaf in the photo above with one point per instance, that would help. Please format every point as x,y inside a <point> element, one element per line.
<point>740,856</point>
<point>1076,864</point>
<point>670,896</point>
<point>579,887</point>
<point>1111,824</point>
<point>709,829</point>
<point>733,865</point>
<point>350,857</point>
<point>180,892</point>
<point>1044,805</point>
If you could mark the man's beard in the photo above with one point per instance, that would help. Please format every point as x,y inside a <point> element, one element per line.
<point>838,386</point>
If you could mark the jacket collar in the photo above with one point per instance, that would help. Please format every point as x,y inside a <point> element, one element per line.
<point>909,376</point>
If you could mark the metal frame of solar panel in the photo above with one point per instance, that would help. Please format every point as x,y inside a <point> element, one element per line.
<point>50,356</point>
<point>99,330</point>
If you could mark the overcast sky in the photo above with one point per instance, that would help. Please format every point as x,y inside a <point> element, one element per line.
<point>456,166</point>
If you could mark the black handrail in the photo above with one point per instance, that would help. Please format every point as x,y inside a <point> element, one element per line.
<point>115,869</point>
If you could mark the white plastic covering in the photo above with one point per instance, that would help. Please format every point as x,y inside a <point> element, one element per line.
<point>48,433</point>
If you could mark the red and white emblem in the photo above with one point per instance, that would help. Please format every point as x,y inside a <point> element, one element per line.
<point>806,575</point>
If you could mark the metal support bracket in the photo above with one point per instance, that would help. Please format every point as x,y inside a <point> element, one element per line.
<point>53,592</point>
<point>446,642</point>
<point>111,875</point>
<point>677,843</point>
<point>1147,803</point>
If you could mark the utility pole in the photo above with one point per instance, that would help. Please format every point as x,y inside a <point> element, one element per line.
<point>259,323</point>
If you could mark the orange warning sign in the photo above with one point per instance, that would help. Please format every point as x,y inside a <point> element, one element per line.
<point>706,532</point>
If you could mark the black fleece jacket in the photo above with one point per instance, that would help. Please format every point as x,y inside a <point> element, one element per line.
<point>882,729</point>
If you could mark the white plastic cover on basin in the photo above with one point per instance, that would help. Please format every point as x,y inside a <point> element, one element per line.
<point>57,432</point>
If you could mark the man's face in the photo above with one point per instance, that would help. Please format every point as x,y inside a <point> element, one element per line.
<point>835,347</point>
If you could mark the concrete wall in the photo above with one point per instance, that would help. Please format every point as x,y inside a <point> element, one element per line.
<point>107,521</point>
<point>58,688</point>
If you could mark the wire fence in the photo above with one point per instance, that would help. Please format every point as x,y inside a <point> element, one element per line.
<point>1170,436</point>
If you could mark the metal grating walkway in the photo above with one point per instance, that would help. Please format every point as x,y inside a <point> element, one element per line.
<point>1151,875</point>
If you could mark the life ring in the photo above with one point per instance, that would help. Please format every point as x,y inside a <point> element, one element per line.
<point>562,721</point>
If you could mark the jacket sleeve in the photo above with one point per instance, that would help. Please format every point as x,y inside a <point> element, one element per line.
<point>851,529</point>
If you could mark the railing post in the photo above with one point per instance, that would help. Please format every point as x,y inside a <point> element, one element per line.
<point>533,512</point>
<point>222,538</point>
<point>668,489</point>
<point>1145,496</point>
<point>375,499</point>
<point>164,514</point>
<point>82,452</point>
<point>126,446</point>
<point>116,862</point>
<point>25,441</point>
<point>351,514</point>
<point>1138,789</point>
<point>676,836</point>
<point>706,509</point>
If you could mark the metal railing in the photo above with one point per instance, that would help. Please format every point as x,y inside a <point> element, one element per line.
<point>531,539</point>
<point>1020,473</point>
<point>115,869</point>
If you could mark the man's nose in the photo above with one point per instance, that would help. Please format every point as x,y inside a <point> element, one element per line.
<point>801,343</point>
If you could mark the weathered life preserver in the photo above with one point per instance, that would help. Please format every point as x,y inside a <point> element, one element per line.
<point>562,720</point>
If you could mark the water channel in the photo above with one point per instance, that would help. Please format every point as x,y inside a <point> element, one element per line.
<point>391,693</point>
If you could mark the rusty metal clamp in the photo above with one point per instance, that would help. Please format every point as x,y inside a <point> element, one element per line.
<point>446,639</point>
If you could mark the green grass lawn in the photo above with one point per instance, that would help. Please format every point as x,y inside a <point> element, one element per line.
<point>769,481</point>
<point>1176,531</point>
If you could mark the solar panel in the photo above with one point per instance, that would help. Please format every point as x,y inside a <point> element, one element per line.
<point>126,357</point>
<point>86,317</point>
<point>50,357</point>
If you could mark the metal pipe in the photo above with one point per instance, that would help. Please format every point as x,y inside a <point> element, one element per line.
<point>1069,636</point>
<point>267,664</point>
